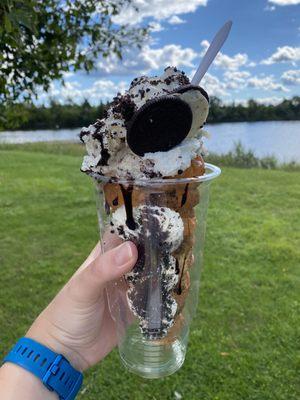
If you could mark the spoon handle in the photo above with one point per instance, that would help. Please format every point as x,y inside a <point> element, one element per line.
<point>212,52</point>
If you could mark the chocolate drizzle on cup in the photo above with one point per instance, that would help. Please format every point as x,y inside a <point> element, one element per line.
<point>127,196</point>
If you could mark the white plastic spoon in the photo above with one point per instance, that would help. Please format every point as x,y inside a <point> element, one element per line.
<point>212,52</point>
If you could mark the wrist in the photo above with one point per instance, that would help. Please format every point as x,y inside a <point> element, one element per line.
<point>51,335</point>
<point>49,339</point>
<point>18,384</point>
<point>52,370</point>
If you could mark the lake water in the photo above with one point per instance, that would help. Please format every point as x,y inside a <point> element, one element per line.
<point>278,138</point>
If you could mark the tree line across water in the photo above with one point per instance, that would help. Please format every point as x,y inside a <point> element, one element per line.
<point>25,116</point>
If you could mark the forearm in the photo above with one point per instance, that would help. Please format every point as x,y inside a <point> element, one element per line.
<point>18,384</point>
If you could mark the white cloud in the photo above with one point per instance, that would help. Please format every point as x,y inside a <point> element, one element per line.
<point>285,2</point>
<point>269,100</point>
<point>233,80</point>
<point>68,74</point>
<point>226,62</point>
<point>101,89</point>
<point>236,80</point>
<point>104,89</point>
<point>213,86</point>
<point>274,100</point>
<point>156,27</point>
<point>265,83</point>
<point>142,61</point>
<point>283,54</point>
<point>204,44</point>
<point>175,20</point>
<point>171,54</point>
<point>157,9</point>
<point>291,77</point>
<point>238,76</point>
<point>71,85</point>
<point>261,100</point>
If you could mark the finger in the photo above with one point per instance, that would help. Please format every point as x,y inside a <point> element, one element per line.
<point>92,256</point>
<point>109,266</point>
<point>112,264</point>
<point>110,240</point>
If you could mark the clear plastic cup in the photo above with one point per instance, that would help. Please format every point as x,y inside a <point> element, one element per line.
<point>154,305</point>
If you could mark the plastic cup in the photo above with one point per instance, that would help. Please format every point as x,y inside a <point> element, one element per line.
<point>153,306</point>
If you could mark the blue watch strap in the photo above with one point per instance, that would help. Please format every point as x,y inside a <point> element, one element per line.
<point>54,370</point>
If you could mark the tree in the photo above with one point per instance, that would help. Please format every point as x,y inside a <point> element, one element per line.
<point>40,40</point>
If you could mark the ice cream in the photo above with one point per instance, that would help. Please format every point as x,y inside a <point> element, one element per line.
<point>158,276</point>
<point>117,145</point>
<point>153,131</point>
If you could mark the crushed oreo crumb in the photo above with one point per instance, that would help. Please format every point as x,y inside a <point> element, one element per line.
<point>142,93</point>
<point>83,133</point>
<point>104,152</point>
<point>125,106</point>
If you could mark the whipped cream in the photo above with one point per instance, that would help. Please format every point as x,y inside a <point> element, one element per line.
<point>107,150</point>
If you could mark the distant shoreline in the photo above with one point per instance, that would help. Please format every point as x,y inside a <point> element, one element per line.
<point>68,116</point>
<point>267,138</point>
<point>80,127</point>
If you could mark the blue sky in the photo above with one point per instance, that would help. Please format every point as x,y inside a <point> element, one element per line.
<point>260,59</point>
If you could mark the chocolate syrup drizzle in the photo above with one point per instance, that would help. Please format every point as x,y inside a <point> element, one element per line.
<point>184,196</point>
<point>178,288</point>
<point>127,196</point>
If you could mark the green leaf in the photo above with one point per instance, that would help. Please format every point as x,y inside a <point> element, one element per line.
<point>48,38</point>
<point>24,18</point>
<point>7,23</point>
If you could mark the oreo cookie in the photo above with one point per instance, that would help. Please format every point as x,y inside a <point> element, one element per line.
<point>185,88</point>
<point>159,125</point>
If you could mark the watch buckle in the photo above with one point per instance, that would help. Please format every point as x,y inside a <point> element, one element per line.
<point>52,371</point>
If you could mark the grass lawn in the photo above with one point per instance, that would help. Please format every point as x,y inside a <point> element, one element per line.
<point>245,340</point>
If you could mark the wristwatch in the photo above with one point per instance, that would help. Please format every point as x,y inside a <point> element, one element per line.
<point>53,369</point>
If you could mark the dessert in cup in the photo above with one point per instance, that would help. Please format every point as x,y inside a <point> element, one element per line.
<point>146,158</point>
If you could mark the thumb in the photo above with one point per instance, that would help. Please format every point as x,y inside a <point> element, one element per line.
<point>106,267</point>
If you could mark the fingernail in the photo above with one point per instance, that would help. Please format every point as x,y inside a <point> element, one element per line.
<point>123,254</point>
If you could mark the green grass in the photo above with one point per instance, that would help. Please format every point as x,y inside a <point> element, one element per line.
<point>245,340</point>
<point>57,148</point>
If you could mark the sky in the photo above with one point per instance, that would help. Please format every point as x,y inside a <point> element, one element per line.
<point>260,60</point>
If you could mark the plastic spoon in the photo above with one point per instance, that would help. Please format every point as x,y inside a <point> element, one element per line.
<point>212,52</point>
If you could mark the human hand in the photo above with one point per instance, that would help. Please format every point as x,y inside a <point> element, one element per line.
<point>77,323</point>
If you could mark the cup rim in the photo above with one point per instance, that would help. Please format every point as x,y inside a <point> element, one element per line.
<point>211,172</point>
